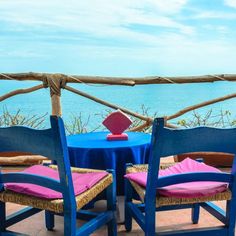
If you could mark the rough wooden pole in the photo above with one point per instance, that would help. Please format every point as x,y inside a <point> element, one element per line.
<point>113,106</point>
<point>55,83</point>
<point>56,105</point>
<point>20,91</point>
<point>202,104</point>
<point>129,81</point>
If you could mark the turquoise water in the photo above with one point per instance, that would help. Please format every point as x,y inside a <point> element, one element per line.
<point>163,99</point>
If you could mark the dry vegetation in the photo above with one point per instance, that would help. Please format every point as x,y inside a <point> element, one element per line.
<point>80,124</point>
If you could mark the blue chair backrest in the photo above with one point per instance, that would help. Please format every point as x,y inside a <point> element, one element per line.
<point>177,141</point>
<point>24,139</point>
<point>50,143</point>
<point>166,142</point>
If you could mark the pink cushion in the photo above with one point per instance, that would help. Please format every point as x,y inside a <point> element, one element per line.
<point>185,190</point>
<point>81,182</point>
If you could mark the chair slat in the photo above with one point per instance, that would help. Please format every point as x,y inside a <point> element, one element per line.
<point>192,177</point>
<point>200,139</point>
<point>31,179</point>
<point>33,141</point>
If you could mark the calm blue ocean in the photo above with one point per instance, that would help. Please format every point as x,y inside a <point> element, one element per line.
<point>162,99</point>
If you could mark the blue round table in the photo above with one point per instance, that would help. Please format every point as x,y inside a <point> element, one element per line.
<point>92,150</point>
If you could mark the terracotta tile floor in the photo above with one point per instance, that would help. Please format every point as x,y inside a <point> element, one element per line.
<point>166,221</point>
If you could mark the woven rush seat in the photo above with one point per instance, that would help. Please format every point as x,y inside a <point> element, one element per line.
<point>144,167</point>
<point>167,201</point>
<point>56,205</point>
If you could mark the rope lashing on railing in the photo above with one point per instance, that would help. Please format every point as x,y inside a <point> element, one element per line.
<point>6,76</point>
<point>167,79</point>
<point>87,84</point>
<point>219,77</point>
<point>55,83</point>
<point>126,81</point>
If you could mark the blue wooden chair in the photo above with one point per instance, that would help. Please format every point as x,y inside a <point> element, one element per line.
<point>52,144</point>
<point>166,142</point>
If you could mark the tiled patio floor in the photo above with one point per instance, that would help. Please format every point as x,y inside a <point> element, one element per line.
<point>166,221</point>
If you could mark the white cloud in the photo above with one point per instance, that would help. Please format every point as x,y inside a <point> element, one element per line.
<point>22,53</point>
<point>215,15</point>
<point>168,6</point>
<point>97,18</point>
<point>220,28</point>
<point>230,3</point>
<point>147,33</point>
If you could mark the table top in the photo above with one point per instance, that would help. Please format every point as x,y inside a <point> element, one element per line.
<point>98,140</point>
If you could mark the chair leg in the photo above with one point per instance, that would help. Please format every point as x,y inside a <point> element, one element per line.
<point>195,213</point>
<point>128,198</point>
<point>70,224</point>
<point>2,216</point>
<point>111,206</point>
<point>230,216</point>
<point>49,220</point>
<point>150,219</point>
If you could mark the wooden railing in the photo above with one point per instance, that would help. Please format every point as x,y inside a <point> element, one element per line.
<point>56,82</point>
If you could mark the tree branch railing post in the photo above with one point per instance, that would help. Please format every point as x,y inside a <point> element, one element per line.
<point>56,105</point>
<point>55,82</point>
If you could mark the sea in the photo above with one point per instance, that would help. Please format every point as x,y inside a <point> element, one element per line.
<point>155,100</point>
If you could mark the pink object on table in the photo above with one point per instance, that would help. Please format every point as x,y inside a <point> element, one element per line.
<point>184,190</point>
<point>123,136</point>
<point>81,182</point>
<point>117,122</point>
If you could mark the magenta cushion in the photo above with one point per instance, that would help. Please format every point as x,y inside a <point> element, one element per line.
<point>81,182</point>
<point>185,190</point>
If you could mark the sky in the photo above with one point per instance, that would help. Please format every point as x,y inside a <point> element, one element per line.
<point>118,37</point>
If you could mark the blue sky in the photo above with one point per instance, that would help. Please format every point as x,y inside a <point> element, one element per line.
<point>118,37</point>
